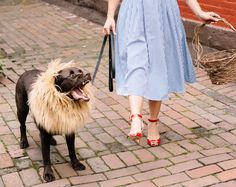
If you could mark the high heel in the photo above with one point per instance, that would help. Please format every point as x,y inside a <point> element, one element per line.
<point>155,142</point>
<point>138,135</point>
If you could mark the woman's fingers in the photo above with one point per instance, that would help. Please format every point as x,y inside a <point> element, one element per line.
<point>210,16</point>
<point>215,15</point>
<point>114,28</point>
<point>214,19</point>
<point>106,30</point>
<point>109,25</point>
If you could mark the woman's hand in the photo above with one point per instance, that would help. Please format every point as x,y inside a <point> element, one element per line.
<point>209,16</point>
<point>110,24</point>
<point>206,16</point>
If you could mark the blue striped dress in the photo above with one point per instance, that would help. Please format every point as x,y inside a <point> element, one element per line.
<point>152,56</point>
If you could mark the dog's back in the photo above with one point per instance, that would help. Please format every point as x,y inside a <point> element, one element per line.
<point>23,87</point>
<point>26,80</point>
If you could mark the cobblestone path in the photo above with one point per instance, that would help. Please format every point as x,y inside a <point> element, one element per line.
<point>198,128</point>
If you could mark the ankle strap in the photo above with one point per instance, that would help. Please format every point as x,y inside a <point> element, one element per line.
<point>135,115</point>
<point>153,120</point>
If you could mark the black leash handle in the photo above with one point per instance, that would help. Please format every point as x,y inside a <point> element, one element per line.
<point>99,58</point>
<point>111,75</point>
<point>111,61</point>
<point>112,54</point>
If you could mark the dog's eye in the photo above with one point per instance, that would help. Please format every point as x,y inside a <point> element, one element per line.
<point>72,72</point>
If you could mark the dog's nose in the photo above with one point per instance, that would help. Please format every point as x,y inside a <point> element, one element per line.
<point>78,75</point>
<point>88,76</point>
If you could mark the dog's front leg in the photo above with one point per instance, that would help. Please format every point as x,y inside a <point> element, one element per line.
<point>76,164</point>
<point>45,141</point>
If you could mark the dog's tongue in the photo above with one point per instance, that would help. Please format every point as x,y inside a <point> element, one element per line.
<point>77,94</point>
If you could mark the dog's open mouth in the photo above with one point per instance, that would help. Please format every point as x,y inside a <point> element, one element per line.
<point>79,94</point>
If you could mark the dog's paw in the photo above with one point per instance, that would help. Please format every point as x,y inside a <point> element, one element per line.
<point>53,141</point>
<point>48,175</point>
<point>77,165</point>
<point>24,143</point>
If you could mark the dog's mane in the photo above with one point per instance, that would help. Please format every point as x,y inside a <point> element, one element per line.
<point>54,111</point>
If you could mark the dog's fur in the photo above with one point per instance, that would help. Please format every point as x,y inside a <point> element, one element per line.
<point>55,106</point>
<point>50,107</point>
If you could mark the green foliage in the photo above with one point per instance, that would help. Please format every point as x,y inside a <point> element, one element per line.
<point>3,55</point>
<point>1,66</point>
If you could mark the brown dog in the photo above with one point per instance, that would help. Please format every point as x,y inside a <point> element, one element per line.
<point>59,100</point>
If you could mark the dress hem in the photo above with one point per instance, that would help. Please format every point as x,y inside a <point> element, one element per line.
<point>166,97</point>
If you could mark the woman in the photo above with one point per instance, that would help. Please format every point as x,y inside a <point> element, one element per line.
<point>152,56</point>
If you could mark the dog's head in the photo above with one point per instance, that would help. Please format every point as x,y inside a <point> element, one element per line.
<point>72,81</point>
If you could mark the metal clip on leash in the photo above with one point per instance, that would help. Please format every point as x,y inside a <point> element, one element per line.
<point>111,60</point>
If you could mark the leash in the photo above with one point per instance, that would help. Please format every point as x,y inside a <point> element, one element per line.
<point>111,60</point>
<point>99,58</point>
<point>111,75</point>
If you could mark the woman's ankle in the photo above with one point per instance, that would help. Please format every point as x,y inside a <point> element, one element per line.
<point>153,131</point>
<point>153,119</point>
<point>153,127</point>
<point>135,115</point>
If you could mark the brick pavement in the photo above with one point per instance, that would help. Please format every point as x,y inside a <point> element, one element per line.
<point>198,128</point>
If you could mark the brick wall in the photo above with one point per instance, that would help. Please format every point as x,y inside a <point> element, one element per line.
<point>225,8</point>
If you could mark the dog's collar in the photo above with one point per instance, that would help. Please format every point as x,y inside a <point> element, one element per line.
<point>58,88</point>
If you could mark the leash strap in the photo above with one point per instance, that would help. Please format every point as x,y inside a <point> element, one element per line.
<point>99,58</point>
<point>112,53</point>
<point>111,75</point>
<point>111,61</point>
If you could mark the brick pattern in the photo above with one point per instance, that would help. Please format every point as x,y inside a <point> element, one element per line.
<point>198,128</point>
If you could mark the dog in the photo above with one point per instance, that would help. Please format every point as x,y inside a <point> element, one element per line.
<point>59,99</point>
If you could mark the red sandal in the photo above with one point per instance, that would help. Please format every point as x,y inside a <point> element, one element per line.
<point>156,142</point>
<point>138,135</point>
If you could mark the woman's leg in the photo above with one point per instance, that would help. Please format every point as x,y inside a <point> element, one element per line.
<point>136,104</point>
<point>154,108</point>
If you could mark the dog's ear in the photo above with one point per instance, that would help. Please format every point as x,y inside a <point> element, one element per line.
<point>63,84</point>
<point>58,81</point>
